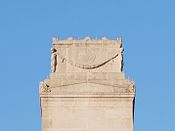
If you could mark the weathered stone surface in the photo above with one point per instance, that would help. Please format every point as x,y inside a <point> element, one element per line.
<point>87,89</point>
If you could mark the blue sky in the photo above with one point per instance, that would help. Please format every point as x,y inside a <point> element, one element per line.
<point>146,26</point>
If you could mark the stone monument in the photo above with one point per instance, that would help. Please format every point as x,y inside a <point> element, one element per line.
<point>87,89</point>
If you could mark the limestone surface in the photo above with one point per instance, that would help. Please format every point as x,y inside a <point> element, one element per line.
<point>87,89</point>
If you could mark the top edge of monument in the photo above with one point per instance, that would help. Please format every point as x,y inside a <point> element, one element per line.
<point>86,40</point>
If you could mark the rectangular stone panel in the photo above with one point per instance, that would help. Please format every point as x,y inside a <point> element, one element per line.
<point>87,114</point>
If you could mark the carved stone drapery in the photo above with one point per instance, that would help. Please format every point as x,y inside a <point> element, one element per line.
<point>53,60</point>
<point>88,66</point>
<point>118,56</point>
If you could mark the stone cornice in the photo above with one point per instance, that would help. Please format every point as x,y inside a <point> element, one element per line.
<point>117,95</point>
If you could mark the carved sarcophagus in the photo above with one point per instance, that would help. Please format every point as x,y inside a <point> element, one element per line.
<point>87,89</point>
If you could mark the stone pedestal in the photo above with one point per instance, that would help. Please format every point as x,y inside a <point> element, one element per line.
<point>87,92</point>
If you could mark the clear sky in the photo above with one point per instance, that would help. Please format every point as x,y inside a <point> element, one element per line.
<point>148,31</point>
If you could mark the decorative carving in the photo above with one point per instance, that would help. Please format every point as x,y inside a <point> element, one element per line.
<point>54,39</point>
<point>132,87</point>
<point>104,38</point>
<point>44,87</point>
<point>120,57</point>
<point>53,60</point>
<point>87,38</point>
<point>87,66</point>
<point>70,38</point>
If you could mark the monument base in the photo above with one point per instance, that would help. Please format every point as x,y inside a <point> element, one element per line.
<point>87,113</point>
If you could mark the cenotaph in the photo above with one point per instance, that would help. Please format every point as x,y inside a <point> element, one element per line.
<point>87,89</point>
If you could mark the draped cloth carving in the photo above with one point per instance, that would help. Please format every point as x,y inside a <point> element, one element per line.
<point>53,60</point>
<point>87,66</point>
